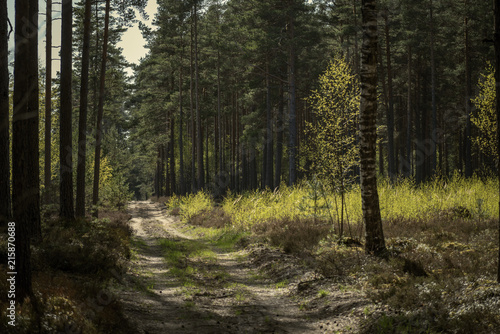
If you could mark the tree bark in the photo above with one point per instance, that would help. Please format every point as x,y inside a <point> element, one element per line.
<point>468,94</point>
<point>67,210</point>
<point>390,110</point>
<point>292,126</point>
<point>5,199</point>
<point>100,111</point>
<point>199,137</point>
<point>25,165</point>
<point>48,104</point>
<point>375,242</point>
<point>279,140</point>
<point>82,122</point>
<point>433,97</point>
<point>408,171</point>
<point>181,145</point>
<point>497,91</point>
<point>269,135</point>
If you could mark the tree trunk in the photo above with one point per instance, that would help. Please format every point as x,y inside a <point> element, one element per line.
<point>468,94</point>
<point>269,135</point>
<point>390,110</point>
<point>408,171</point>
<point>100,111</point>
<point>5,213</point>
<point>25,165</point>
<point>497,90</point>
<point>375,242</point>
<point>279,140</point>
<point>48,104</point>
<point>67,210</point>
<point>199,137</point>
<point>433,96</point>
<point>292,126</point>
<point>181,145</point>
<point>193,120</point>
<point>82,122</point>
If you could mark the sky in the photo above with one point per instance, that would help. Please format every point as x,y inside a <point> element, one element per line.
<point>132,42</point>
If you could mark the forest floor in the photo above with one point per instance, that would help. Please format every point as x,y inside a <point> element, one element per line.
<point>182,281</point>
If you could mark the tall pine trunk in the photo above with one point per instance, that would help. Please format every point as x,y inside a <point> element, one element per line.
<point>25,172</point>
<point>468,95</point>
<point>497,91</point>
<point>5,213</point>
<point>82,122</point>
<point>67,210</point>
<point>48,104</point>
<point>199,136</point>
<point>375,242</point>
<point>100,111</point>
<point>292,126</point>
<point>391,155</point>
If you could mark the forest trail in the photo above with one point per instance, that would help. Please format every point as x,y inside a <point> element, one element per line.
<point>219,291</point>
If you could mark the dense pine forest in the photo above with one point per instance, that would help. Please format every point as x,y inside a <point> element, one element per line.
<point>294,166</point>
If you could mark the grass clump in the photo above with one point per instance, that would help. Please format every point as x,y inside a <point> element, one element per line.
<point>293,235</point>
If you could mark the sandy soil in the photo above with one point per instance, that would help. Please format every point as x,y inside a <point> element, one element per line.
<point>253,290</point>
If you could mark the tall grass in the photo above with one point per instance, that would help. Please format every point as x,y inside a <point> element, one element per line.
<point>402,200</point>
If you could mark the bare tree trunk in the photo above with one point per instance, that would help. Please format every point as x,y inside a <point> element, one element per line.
<point>468,94</point>
<point>390,110</point>
<point>48,103</point>
<point>375,242</point>
<point>292,126</point>
<point>5,199</point>
<point>199,137</point>
<point>25,165</point>
<point>279,140</point>
<point>433,95</point>
<point>269,135</point>
<point>181,145</point>
<point>100,111</point>
<point>82,122</point>
<point>67,210</point>
<point>497,90</point>
<point>408,171</point>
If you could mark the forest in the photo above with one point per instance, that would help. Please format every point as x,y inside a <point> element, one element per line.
<point>281,166</point>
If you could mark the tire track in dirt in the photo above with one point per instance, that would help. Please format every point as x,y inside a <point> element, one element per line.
<point>239,301</point>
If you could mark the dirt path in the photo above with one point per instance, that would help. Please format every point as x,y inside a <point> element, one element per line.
<point>223,292</point>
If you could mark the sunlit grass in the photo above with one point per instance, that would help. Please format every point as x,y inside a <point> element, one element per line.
<point>401,200</point>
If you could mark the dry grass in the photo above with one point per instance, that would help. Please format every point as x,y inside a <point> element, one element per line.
<point>294,235</point>
<point>215,218</point>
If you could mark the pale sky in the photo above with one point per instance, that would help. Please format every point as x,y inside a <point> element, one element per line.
<point>132,42</point>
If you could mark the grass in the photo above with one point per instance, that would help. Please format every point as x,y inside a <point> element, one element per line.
<point>442,238</point>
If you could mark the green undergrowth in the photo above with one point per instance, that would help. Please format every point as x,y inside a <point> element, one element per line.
<point>442,239</point>
<point>72,268</point>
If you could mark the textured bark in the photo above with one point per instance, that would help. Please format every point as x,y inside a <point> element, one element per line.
<point>269,136</point>
<point>468,95</point>
<point>25,172</point>
<point>497,90</point>
<point>199,137</point>
<point>292,126</point>
<point>100,111</point>
<point>48,103</point>
<point>67,210</point>
<point>433,97</point>
<point>279,140</point>
<point>4,119</point>
<point>391,155</point>
<point>181,145</point>
<point>375,242</point>
<point>408,170</point>
<point>82,122</point>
